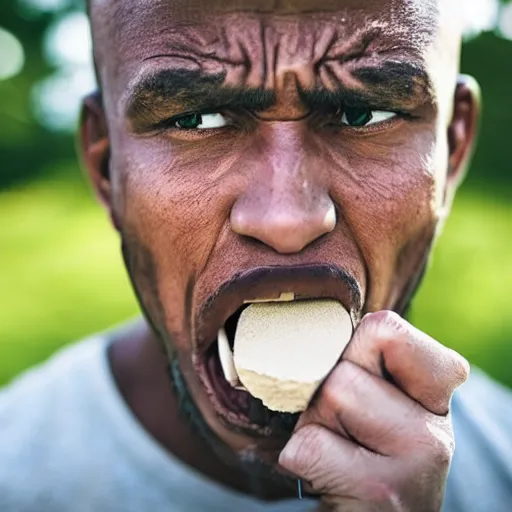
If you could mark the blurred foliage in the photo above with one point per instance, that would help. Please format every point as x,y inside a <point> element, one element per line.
<point>489,59</point>
<point>61,275</point>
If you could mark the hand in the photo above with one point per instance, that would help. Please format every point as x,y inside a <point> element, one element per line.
<point>378,436</point>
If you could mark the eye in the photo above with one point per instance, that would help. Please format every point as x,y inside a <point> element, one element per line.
<point>359,117</point>
<point>201,121</point>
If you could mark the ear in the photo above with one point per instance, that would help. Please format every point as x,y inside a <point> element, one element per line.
<point>463,129</point>
<point>95,149</point>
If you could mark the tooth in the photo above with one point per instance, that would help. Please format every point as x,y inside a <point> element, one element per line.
<point>226,359</point>
<point>284,297</point>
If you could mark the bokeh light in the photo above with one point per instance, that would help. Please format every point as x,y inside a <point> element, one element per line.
<point>45,5</point>
<point>505,22</point>
<point>68,41</point>
<point>68,47</point>
<point>12,56</point>
<point>479,16</point>
<point>56,99</point>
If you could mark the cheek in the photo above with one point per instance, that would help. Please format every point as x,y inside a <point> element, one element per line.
<point>170,213</point>
<point>169,202</point>
<point>389,203</point>
<point>390,189</point>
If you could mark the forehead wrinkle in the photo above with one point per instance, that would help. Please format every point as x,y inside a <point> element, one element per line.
<point>265,49</point>
<point>396,12</point>
<point>359,59</point>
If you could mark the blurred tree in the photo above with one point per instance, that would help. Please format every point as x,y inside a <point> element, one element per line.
<point>26,148</point>
<point>489,59</point>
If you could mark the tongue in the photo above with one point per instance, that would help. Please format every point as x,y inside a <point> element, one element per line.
<point>283,351</point>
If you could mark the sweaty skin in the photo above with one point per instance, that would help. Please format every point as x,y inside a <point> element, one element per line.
<point>285,177</point>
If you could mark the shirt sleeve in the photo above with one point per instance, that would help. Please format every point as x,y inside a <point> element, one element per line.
<point>480,478</point>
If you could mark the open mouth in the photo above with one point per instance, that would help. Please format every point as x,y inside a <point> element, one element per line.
<point>235,406</point>
<point>238,406</point>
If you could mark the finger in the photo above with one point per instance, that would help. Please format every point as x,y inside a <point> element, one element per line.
<point>373,413</point>
<point>352,478</point>
<point>387,346</point>
<point>329,464</point>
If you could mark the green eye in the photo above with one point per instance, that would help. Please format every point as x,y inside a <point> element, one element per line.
<point>359,117</point>
<point>189,122</point>
<point>201,121</point>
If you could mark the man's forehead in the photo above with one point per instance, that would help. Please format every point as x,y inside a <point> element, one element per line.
<point>124,25</point>
<point>205,7</point>
<point>416,14</point>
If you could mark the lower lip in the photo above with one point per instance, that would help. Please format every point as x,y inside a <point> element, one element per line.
<point>233,399</point>
<point>233,406</point>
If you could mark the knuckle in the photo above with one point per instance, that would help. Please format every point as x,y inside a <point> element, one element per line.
<point>443,453</point>
<point>330,394</point>
<point>380,492</point>
<point>346,376</point>
<point>388,318</point>
<point>440,455</point>
<point>383,494</point>
<point>439,443</point>
<point>388,327</point>
<point>461,368</point>
<point>330,390</point>
<point>354,377</point>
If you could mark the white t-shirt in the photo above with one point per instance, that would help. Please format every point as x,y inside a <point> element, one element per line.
<point>69,443</point>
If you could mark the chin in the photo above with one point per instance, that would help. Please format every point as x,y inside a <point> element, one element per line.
<point>255,455</point>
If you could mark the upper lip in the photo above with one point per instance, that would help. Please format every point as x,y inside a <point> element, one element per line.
<point>305,281</point>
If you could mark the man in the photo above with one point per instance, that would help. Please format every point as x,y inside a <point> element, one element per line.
<point>244,149</point>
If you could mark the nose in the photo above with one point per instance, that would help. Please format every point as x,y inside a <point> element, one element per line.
<point>287,211</point>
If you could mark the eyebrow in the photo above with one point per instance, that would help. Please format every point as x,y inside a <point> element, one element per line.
<point>190,90</point>
<point>389,84</point>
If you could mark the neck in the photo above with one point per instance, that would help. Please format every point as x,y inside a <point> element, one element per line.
<point>141,371</point>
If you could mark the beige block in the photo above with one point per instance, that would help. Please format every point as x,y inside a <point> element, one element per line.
<point>283,351</point>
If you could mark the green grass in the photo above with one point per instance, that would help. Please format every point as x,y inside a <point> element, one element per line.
<point>61,274</point>
<point>61,277</point>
